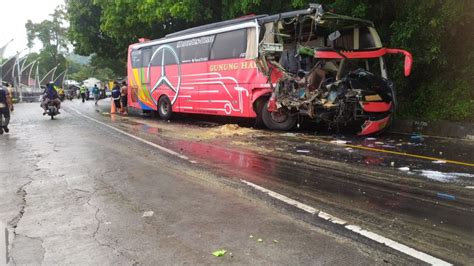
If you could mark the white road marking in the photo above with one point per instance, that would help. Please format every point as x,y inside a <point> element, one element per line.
<point>133,136</point>
<point>398,246</point>
<point>280,197</point>
<point>354,228</point>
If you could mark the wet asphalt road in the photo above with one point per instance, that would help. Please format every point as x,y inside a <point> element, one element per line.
<point>101,192</point>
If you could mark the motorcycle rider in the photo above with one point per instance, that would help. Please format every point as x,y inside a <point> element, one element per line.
<point>50,94</point>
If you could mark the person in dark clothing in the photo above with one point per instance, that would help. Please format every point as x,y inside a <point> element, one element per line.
<point>50,94</point>
<point>6,106</point>
<point>124,97</point>
<point>116,96</point>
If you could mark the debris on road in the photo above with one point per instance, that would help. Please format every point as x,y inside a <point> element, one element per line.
<point>388,146</point>
<point>250,236</point>
<point>444,177</point>
<point>416,138</point>
<point>338,141</point>
<point>275,241</point>
<point>229,130</point>
<point>404,168</point>
<point>259,240</point>
<point>439,161</point>
<point>303,151</point>
<point>148,214</point>
<point>446,196</point>
<point>219,253</point>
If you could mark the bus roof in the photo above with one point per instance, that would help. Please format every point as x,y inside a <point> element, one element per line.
<point>316,9</point>
<point>214,25</point>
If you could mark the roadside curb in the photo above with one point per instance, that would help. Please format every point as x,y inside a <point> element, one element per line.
<point>329,222</point>
<point>436,129</point>
<point>3,244</point>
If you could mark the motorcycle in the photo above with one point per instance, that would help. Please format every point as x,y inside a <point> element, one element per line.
<point>52,109</point>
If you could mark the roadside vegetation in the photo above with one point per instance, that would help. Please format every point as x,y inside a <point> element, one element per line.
<point>439,33</point>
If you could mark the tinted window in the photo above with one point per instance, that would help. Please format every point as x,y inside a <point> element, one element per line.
<point>169,55</point>
<point>196,49</point>
<point>136,58</point>
<point>232,44</point>
<point>146,56</point>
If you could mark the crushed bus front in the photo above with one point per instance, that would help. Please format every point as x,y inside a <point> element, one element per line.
<point>327,67</point>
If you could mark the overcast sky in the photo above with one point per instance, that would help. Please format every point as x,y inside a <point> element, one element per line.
<point>14,14</point>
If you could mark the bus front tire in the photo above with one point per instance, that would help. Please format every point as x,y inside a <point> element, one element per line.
<point>164,108</point>
<point>281,120</point>
<point>258,108</point>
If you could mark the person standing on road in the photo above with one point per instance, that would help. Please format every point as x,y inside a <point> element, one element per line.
<point>103,92</point>
<point>116,96</point>
<point>124,97</point>
<point>96,93</point>
<point>82,90</point>
<point>6,106</point>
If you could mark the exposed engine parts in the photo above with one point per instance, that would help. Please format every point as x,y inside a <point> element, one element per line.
<point>327,67</point>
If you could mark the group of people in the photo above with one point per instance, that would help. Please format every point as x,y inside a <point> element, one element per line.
<point>95,92</point>
<point>51,95</point>
<point>120,96</point>
<point>6,106</point>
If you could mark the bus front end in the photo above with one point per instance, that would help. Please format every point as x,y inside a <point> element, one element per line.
<point>327,67</point>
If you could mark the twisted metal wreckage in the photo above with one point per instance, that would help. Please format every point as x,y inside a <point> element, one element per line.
<point>327,67</point>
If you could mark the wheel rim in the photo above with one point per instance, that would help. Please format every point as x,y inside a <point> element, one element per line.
<point>164,108</point>
<point>279,117</point>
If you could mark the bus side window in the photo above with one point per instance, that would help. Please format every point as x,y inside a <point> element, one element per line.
<point>146,56</point>
<point>136,58</point>
<point>232,44</point>
<point>158,57</point>
<point>195,50</point>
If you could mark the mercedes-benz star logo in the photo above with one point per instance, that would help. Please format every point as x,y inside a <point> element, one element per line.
<point>163,80</point>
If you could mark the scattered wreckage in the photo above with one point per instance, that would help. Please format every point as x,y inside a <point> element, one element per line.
<point>327,67</point>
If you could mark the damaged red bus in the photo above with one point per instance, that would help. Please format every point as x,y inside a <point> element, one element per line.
<point>274,68</point>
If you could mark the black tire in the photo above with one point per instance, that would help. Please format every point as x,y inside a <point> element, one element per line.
<point>258,107</point>
<point>281,120</point>
<point>164,108</point>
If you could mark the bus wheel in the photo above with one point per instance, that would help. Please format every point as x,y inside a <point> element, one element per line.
<point>258,107</point>
<point>164,108</point>
<point>281,120</point>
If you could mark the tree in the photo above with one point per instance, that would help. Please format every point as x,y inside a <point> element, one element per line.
<point>52,35</point>
<point>437,32</point>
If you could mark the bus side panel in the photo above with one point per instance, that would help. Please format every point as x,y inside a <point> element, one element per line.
<point>231,83</point>
<point>138,91</point>
<point>217,87</point>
